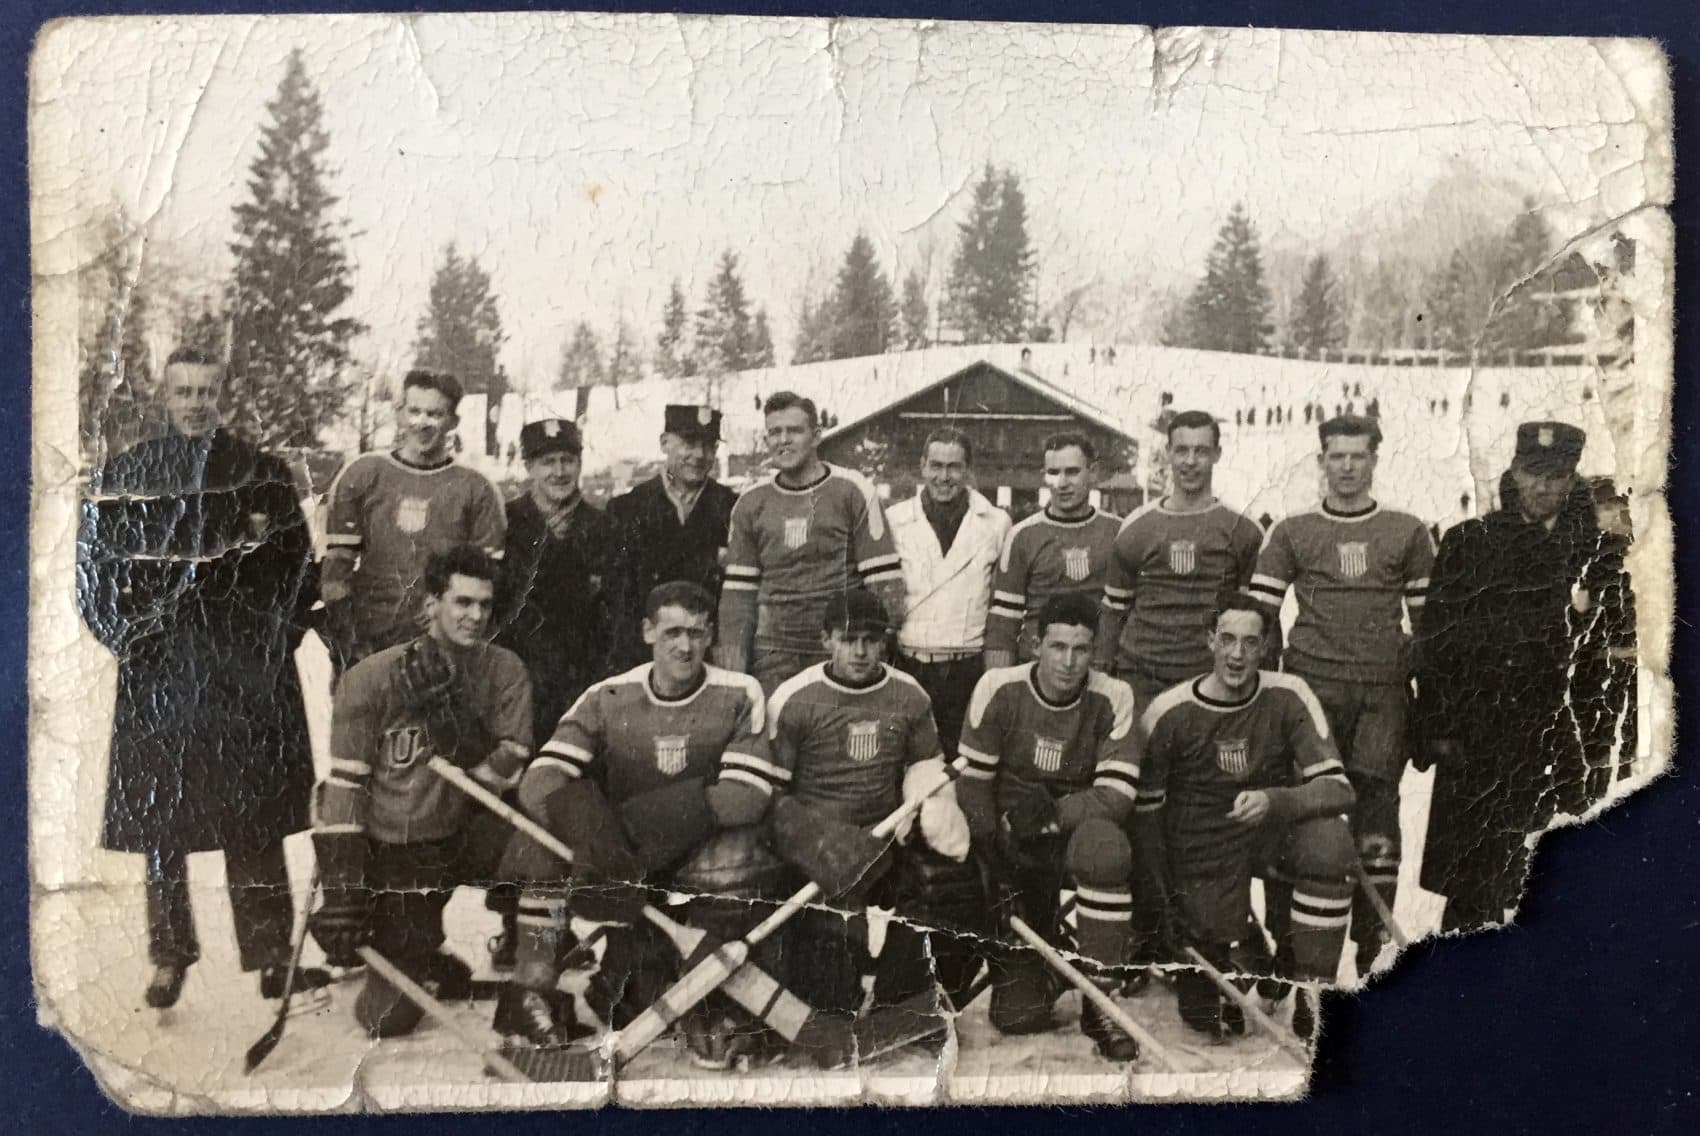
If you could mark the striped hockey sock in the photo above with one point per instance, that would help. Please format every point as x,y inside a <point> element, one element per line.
<point>542,925</point>
<point>1321,911</point>
<point>1103,920</point>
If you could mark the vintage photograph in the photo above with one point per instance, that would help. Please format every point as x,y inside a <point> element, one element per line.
<point>714,560</point>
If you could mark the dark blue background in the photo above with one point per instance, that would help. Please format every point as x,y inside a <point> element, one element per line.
<point>1581,1018</point>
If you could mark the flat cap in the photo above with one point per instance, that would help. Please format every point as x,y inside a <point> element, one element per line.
<point>692,422</point>
<point>549,436</point>
<point>1549,448</point>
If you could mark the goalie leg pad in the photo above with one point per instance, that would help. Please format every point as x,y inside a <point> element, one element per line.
<point>837,855</point>
<point>665,824</point>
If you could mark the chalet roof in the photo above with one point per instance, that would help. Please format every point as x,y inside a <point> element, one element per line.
<point>1027,379</point>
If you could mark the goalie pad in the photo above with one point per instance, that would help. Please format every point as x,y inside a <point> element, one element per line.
<point>837,855</point>
<point>665,824</point>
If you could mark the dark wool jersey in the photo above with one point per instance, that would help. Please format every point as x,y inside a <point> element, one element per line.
<point>845,748</point>
<point>630,740</point>
<point>1200,753</point>
<point>1013,731</point>
<point>791,550</point>
<point>1045,556</point>
<point>392,516</point>
<point>379,780</point>
<point>1354,576</point>
<point>1165,574</point>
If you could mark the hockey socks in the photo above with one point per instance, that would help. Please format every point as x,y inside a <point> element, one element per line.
<point>1102,922</point>
<point>1321,911</point>
<point>541,926</point>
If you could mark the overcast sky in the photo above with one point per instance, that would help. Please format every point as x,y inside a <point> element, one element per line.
<point>587,160</point>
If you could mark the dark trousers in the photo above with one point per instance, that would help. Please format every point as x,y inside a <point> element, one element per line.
<point>950,684</point>
<point>259,903</point>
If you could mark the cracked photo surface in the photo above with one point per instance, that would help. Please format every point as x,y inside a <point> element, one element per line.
<point>716,560</point>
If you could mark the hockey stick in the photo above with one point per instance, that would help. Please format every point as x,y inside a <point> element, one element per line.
<point>439,1013</point>
<point>1278,1033</point>
<point>1089,989</point>
<point>1382,911</point>
<point>262,1048</point>
<point>715,968</point>
<point>750,986</point>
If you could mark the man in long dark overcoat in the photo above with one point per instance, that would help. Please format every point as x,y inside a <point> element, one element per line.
<point>672,527</point>
<point>1494,651</point>
<point>195,568</point>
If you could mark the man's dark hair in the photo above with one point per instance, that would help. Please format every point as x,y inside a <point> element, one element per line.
<point>443,383</point>
<point>950,436</point>
<point>1062,439</point>
<point>195,357</point>
<point>693,598</point>
<point>1350,426</point>
<point>1239,601</point>
<point>1071,609</point>
<point>460,560</point>
<point>791,400</point>
<point>1196,420</point>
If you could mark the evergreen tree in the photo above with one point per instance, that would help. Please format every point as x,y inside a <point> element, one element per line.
<point>1317,323</point>
<point>672,358</point>
<point>814,331</point>
<point>1521,319</point>
<point>761,341</point>
<point>289,346</point>
<point>1459,297</point>
<point>624,364</point>
<point>991,275</point>
<point>724,333</point>
<point>914,312</point>
<point>115,377</point>
<point>581,361</point>
<point>1229,308</point>
<point>203,331</point>
<point>864,312</point>
<point>461,330</point>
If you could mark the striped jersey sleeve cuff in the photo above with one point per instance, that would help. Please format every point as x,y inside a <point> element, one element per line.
<point>343,540</point>
<point>752,770</point>
<point>1322,769</point>
<point>1118,599</point>
<point>1268,588</point>
<point>1009,605</point>
<point>569,757</point>
<point>741,579</point>
<point>879,566</point>
<point>980,765</point>
<point>1150,800</point>
<point>1122,776</point>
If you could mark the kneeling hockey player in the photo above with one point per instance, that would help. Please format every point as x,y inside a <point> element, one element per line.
<point>1053,772</point>
<point>393,839</point>
<point>653,777</point>
<point>856,739</point>
<point>1241,779</point>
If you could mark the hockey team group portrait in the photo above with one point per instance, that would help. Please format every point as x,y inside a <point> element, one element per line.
<point>728,561</point>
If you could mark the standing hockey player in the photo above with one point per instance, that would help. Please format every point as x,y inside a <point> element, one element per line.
<point>388,514</point>
<point>856,739</point>
<point>1054,768</point>
<point>640,776</point>
<point>1241,779</point>
<point>393,838</point>
<point>1356,569</point>
<point>1170,561</point>
<point>949,539</point>
<point>1064,549</point>
<point>798,539</point>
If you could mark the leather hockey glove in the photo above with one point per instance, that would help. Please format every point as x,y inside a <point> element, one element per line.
<point>435,694</point>
<point>342,923</point>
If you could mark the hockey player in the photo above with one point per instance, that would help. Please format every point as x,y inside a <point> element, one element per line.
<point>798,539</point>
<point>1170,561</point>
<point>1064,549</point>
<point>1054,768</point>
<point>389,512</point>
<point>1356,569</point>
<point>642,773</point>
<point>855,738</point>
<point>1240,779</point>
<point>394,839</point>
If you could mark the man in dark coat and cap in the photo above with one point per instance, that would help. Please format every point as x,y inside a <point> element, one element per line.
<point>1494,651</point>
<point>672,527</point>
<point>195,569</point>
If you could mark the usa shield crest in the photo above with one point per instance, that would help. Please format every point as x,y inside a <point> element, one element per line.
<point>670,753</point>
<point>1183,557</point>
<point>796,532</point>
<point>412,514</point>
<point>1354,558</point>
<point>863,743</point>
<point>1047,754</point>
<point>1233,755</point>
<point>1077,563</point>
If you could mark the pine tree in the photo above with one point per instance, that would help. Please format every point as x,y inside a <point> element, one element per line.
<point>1520,321</point>
<point>581,360</point>
<point>761,341</point>
<point>914,312</point>
<point>1229,308</point>
<point>724,334</point>
<point>203,331</point>
<point>814,331</point>
<point>461,330</point>
<point>289,347</point>
<point>1458,302</point>
<point>992,272</point>
<point>625,366</point>
<point>1317,324</point>
<point>864,312</point>
<point>115,376</point>
<point>672,358</point>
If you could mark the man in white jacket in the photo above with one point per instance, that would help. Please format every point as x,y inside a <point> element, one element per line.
<point>948,538</point>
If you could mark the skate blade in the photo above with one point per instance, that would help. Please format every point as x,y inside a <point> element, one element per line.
<point>306,1002</point>
<point>548,1064</point>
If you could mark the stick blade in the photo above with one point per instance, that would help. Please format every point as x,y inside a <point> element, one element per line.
<point>262,1048</point>
<point>890,1028</point>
